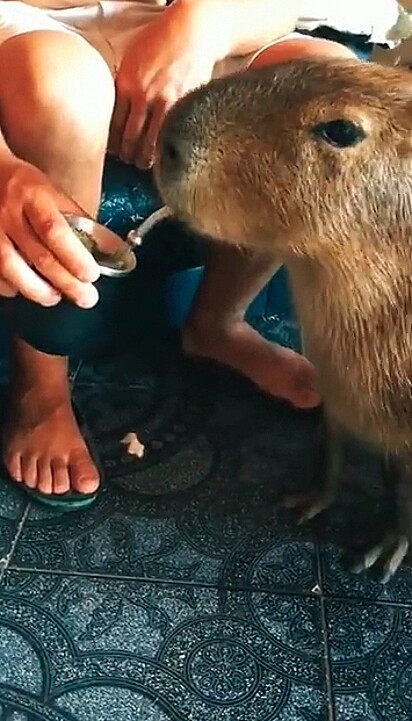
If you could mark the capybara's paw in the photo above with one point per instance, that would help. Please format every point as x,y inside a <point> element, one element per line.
<point>387,556</point>
<point>310,504</point>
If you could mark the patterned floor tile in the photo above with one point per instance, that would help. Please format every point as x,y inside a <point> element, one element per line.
<point>80,648</point>
<point>201,409</point>
<point>200,506</point>
<point>370,648</point>
<point>223,532</point>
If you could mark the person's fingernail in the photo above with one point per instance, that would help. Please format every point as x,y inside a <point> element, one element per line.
<point>89,298</point>
<point>125,157</point>
<point>94,274</point>
<point>143,164</point>
<point>52,299</point>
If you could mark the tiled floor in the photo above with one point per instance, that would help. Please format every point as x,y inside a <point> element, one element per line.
<point>184,594</point>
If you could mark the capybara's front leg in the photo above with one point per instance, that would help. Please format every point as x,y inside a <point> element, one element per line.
<point>391,551</point>
<point>327,474</point>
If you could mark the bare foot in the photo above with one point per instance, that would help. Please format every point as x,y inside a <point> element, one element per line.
<point>278,371</point>
<point>42,445</point>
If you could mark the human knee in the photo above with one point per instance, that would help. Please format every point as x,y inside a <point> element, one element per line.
<point>302,48</point>
<point>53,83</point>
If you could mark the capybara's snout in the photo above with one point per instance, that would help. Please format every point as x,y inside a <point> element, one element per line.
<point>184,155</point>
<point>292,157</point>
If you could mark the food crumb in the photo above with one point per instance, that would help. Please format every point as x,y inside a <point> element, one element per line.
<point>134,445</point>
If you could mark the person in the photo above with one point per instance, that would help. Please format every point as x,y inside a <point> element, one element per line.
<point>74,83</point>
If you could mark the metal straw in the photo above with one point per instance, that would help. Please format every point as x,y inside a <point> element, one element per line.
<point>135,237</point>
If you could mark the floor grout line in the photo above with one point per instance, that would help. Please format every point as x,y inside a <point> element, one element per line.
<point>315,591</point>
<point>364,601</point>
<point>327,663</point>
<point>5,561</point>
<point>165,581</point>
<point>272,591</point>
<point>327,666</point>
<point>73,377</point>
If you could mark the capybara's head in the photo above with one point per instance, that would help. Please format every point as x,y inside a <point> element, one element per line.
<point>302,157</point>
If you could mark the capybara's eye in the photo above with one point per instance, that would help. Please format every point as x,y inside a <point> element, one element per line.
<point>339,133</point>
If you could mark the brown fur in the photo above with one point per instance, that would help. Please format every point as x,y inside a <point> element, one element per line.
<point>238,161</point>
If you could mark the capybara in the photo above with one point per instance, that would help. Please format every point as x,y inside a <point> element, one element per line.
<point>312,161</point>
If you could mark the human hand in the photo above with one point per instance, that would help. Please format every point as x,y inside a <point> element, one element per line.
<point>171,56</point>
<point>40,257</point>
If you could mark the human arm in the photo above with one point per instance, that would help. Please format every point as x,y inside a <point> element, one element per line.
<point>176,53</point>
<point>247,25</point>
